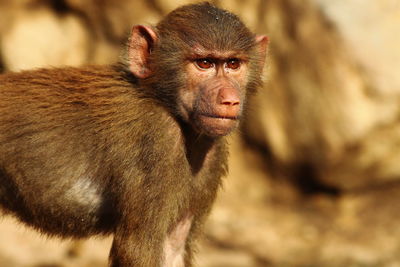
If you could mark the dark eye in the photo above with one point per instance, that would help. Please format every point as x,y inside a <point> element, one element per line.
<point>204,63</point>
<point>233,64</point>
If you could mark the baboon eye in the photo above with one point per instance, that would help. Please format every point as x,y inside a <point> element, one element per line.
<point>233,63</point>
<point>204,63</point>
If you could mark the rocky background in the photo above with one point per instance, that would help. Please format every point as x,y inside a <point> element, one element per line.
<point>315,170</point>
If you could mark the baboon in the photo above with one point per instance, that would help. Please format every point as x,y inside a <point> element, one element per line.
<point>135,149</point>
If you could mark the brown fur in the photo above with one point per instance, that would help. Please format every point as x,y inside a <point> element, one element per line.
<point>96,150</point>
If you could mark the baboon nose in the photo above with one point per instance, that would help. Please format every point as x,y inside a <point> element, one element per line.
<point>228,102</point>
<point>229,97</point>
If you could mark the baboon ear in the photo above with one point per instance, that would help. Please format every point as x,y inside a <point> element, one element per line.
<point>262,45</point>
<point>141,44</point>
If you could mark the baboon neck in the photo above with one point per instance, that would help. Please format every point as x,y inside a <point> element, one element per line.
<point>198,147</point>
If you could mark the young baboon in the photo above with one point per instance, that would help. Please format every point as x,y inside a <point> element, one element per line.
<point>134,149</point>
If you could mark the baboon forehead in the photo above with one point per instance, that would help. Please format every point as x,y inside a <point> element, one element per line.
<point>206,25</point>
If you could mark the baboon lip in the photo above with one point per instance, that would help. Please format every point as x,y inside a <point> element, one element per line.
<point>216,116</point>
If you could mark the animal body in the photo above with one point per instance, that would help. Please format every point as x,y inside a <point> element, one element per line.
<point>135,149</point>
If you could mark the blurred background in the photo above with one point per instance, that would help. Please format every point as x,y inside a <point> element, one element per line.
<point>315,169</point>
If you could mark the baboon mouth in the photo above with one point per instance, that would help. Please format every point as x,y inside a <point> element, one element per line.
<point>216,116</point>
<point>217,125</point>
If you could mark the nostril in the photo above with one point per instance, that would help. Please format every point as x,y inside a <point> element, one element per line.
<point>230,102</point>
